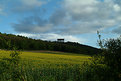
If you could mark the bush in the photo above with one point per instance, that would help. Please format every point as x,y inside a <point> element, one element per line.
<point>106,65</point>
<point>9,67</point>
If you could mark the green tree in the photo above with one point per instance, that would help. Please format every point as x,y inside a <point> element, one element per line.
<point>104,66</point>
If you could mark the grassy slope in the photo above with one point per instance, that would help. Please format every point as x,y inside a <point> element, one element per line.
<point>47,57</point>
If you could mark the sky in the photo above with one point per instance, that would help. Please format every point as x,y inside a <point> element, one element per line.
<point>73,20</point>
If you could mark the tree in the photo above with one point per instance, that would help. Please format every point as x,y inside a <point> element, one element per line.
<point>105,66</point>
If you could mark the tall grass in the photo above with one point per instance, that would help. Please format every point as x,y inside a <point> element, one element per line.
<point>41,67</point>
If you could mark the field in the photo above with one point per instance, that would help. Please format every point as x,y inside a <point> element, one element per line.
<point>47,66</point>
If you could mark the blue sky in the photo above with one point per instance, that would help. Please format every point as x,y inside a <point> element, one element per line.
<point>73,20</point>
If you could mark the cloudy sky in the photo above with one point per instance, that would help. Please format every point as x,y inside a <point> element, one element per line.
<point>73,20</point>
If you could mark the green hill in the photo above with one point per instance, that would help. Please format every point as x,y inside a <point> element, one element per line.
<point>8,41</point>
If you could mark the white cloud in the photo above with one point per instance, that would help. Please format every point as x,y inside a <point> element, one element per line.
<point>79,6</point>
<point>88,16</point>
<point>117,7</point>
<point>54,37</point>
<point>76,17</point>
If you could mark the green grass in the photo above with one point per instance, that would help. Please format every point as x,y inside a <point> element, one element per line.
<point>50,57</point>
<point>49,66</point>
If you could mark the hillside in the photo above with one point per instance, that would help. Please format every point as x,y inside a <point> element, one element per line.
<point>8,41</point>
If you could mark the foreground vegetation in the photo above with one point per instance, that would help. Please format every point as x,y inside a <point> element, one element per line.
<point>105,66</point>
<point>60,66</point>
<point>45,66</point>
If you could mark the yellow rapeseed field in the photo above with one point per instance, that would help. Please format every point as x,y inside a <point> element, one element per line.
<point>44,66</point>
<point>49,57</point>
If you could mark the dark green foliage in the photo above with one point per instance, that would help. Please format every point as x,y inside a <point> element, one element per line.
<point>8,41</point>
<point>66,73</point>
<point>28,72</point>
<point>9,67</point>
<point>107,65</point>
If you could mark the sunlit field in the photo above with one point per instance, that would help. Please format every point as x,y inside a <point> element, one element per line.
<point>50,57</point>
<point>49,66</point>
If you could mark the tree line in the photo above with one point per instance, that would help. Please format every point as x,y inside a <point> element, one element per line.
<point>8,41</point>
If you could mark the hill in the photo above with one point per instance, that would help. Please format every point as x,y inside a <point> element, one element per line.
<point>8,41</point>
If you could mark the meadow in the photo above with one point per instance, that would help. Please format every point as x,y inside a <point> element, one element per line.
<point>45,66</point>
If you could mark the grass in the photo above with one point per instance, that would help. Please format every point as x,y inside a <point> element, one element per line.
<point>48,66</point>
<point>50,57</point>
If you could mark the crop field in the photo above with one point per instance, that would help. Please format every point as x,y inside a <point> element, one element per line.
<point>47,66</point>
<point>49,57</point>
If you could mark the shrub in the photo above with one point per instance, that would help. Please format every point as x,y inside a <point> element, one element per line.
<point>9,67</point>
<point>106,65</point>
